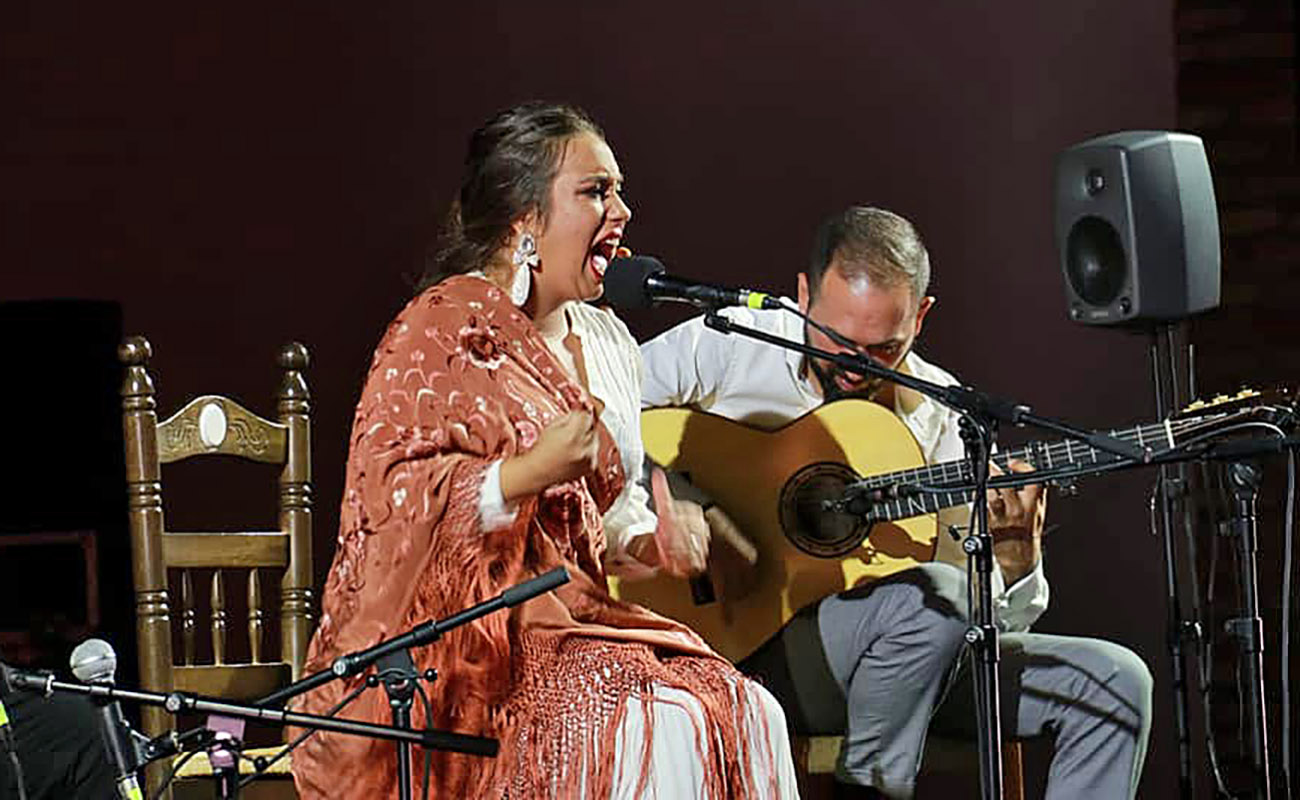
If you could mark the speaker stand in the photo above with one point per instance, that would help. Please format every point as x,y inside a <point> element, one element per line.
<point>1171,494</point>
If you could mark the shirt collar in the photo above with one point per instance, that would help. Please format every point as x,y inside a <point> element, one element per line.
<point>793,327</point>
<point>924,415</point>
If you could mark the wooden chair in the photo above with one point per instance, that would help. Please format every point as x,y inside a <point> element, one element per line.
<point>212,425</point>
<point>815,758</point>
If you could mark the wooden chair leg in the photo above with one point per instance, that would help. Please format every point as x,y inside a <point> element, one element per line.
<point>1013,771</point>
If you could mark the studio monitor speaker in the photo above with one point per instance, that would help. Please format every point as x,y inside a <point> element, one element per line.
<point>1137,229</point>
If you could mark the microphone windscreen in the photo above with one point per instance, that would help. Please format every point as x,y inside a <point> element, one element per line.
<point>93,661</point>
<point>539,585</point>
<point>625,281</point>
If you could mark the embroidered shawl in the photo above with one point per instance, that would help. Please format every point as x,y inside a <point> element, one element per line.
<point>461,379</point>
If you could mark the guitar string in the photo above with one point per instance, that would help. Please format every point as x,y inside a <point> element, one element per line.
<point>936,500</point>
<point>959,470</point>
<point>1049,451</point>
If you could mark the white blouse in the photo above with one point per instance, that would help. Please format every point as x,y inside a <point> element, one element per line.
<point>614,374</point>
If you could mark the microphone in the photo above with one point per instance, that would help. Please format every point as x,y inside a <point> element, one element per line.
<point>532,587</point>
<point>6,730</point>
<point>173,742</point>
<point>858,500</point>
<point>638,281</point>
<point>8,741</point>
<point>93,661</point>
<point>432,631</point>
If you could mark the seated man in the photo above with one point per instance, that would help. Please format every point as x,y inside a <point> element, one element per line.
<point>875,663</point>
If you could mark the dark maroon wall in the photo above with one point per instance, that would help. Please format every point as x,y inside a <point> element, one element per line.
<point>240,175</point>
<point>1237,89</point>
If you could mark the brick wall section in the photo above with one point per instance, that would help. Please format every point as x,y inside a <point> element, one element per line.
<point>1237,90</point>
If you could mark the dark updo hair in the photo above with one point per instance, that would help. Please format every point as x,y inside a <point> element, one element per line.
<point>512,160</point>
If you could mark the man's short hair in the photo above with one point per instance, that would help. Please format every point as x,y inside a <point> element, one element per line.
<point>879,244</point>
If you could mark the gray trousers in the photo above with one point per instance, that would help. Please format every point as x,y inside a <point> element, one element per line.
<point>882,665</point>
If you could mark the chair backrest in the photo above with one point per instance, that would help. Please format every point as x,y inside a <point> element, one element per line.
<point>210,425</point>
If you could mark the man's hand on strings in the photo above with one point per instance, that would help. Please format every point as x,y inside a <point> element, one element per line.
<point>1016,519</point>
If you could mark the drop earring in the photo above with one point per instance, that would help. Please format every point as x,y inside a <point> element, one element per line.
<point>525,260</point>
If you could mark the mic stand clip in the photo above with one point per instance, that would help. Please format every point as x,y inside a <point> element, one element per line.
<point>399,677</point>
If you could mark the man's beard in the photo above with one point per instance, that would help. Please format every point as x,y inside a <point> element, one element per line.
<point>825,375</point>
<point>867,390</point>
<point>831,389</point>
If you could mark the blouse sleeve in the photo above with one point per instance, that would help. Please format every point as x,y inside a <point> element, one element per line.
<point>494,512</point>
<point>629,517</point>
<point>615,372</point>
<point>687,365</point>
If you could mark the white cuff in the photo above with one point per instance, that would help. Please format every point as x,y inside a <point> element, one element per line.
<point>1020,605</point>
<point>493,511</point>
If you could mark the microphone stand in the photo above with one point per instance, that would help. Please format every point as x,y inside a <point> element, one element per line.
<point>398,674</point>
<point>224,758</point>
<point>1172,492</point>
<point>961,398</point>
<point>8,742</point>
<point>396,669</point>
<point>1248,628</point>
<point>1244,477</point>
<point>425,633</point>
<point>187,703</point>
<point>225,744</point>
<point>980,414</point>
<point>977,436</point>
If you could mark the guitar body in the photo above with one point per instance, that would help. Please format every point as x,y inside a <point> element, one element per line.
<point>771,484</point>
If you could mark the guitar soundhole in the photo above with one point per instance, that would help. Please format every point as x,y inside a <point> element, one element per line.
<point>817,532</point>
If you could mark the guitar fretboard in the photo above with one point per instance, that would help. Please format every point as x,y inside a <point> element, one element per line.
<point>1158,437</point>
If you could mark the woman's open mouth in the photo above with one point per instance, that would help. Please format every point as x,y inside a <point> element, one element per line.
<point>602,254</point>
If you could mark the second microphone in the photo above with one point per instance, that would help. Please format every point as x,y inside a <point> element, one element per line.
<point>640,281</point>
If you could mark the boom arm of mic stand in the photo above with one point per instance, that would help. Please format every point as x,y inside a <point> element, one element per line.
<point>353,663</point>
<point>181,702</point>
<point>961,398</point>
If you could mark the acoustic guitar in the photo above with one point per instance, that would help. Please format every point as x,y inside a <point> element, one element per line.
<point>773,484</point>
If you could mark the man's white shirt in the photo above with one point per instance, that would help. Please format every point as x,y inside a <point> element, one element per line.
<point>753,382</point>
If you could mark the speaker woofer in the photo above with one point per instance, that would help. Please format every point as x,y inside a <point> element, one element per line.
<point>1095,261</point>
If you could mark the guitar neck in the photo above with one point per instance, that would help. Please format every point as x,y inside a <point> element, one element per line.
<point>903,496</point>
